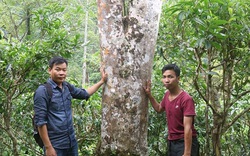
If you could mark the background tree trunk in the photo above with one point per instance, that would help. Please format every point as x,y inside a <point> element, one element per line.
<point>128,32</point>
<point>84,65</point>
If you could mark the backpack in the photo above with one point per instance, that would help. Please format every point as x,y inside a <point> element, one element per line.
<point>36,135</point>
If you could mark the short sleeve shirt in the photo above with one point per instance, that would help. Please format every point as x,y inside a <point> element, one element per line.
<point>182,105</point>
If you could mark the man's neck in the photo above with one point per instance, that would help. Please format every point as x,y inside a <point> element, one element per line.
<point>175,91</point>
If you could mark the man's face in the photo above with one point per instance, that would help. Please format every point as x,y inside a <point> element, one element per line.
<point>58,73</point>
<point>170,80</point>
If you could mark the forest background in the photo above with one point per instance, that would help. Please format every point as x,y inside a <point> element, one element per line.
<point>209,40</point>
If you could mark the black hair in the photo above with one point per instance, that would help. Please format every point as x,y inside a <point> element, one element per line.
<point>57,60</point>
<point>173,67</point>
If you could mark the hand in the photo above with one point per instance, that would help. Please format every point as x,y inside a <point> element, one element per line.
<point>104,75</point>
<point>147,88</point>
<point>50,151</point>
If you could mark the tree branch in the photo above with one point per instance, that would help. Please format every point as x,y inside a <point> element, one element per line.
<point>235,119</point>
<point>238,97</point>
<point>197,75</point>
<point>199,67</point>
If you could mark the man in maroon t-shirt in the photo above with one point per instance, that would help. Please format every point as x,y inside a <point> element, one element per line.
<point>180,113</point>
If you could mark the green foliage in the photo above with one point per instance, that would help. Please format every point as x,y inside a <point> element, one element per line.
<point>87,121</point>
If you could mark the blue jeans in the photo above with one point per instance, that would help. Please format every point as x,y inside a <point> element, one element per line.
<point>73,151</point>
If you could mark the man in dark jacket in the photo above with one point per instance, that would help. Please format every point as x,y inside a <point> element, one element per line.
<point>53,116</point>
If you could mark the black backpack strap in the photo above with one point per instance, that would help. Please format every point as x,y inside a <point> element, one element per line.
<point>69,86</point>
<point>49,90</point>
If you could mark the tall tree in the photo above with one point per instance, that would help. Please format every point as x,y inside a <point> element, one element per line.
<point>128,31</point>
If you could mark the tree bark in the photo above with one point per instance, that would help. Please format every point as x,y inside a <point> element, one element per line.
<point>128,32</point>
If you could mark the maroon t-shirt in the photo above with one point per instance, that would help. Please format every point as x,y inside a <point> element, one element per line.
<point>182,105</point>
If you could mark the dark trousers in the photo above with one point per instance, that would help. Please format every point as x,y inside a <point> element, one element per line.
<point>176,147</point>
<point>73,151</point>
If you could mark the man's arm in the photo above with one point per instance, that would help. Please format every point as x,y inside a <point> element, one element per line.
<point>188,120</point>
<point>91,90</point>
<point>157,107</point>
<point>50,151</point>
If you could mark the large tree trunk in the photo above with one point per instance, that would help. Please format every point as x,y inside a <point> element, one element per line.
<point>128,32</point>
